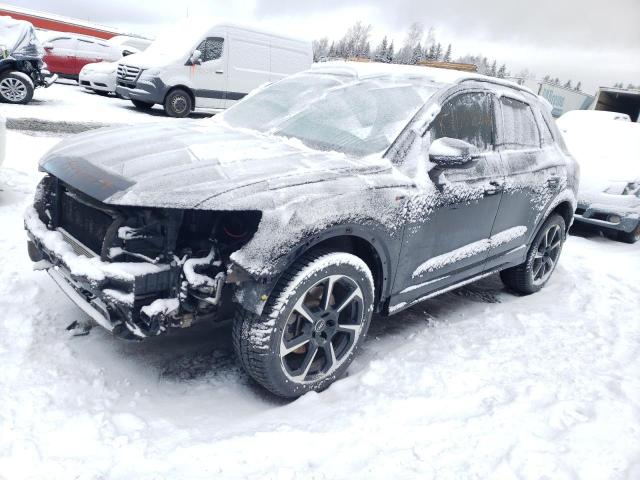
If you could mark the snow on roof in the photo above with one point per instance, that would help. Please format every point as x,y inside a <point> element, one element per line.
<point>57,18</point>
<point>364,70</point>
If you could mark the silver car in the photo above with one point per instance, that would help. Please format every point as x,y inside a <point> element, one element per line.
<point>607,147</point>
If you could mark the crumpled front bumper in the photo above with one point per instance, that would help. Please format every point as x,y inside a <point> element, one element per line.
<point>112,294</point>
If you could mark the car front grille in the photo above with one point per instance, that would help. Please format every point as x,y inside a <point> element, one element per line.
<point>84,222</point>
<point>128,74</point>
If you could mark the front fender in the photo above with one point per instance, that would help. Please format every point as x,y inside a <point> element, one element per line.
<point>281,239</point>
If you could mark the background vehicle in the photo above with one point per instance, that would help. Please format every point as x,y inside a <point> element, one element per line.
<point>206,64</point>
<point>21,66</point>
<point>67,53</point>
<point>607,147</point>
<point>312,203</point>
<point>101,77</point>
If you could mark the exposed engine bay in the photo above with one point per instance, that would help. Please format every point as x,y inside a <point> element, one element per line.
<point>158,268</point>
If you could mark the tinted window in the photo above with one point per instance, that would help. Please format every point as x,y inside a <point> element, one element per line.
<point>466,117</point>
<point>211,48</point>
<point>518,125</point>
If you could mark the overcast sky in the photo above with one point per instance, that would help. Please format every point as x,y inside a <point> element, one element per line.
<point>595,41</point>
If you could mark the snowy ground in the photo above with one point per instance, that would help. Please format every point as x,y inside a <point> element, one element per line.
<point>53,108</point>
<point>477,383</point>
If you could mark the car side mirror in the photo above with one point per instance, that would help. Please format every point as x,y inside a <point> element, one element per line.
<point>47,46</point>
<point>452,153</point>
<point>195,57</point>
<point>126,53</point>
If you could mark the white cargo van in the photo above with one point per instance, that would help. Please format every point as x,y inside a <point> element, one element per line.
<point>210,65</point>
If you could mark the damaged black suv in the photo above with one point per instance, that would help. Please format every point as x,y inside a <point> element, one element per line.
<point>316,201</point>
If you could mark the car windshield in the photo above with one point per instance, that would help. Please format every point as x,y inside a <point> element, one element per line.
<point>333,113</point>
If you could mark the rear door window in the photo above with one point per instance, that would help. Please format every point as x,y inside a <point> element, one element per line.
<point>519,128</point>
<point>467,117</point>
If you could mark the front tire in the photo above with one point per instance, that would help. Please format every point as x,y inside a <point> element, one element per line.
<point>15,88</point>
<point>178,103</point>
<point>312,326</point>
<point>542,258</point>
<point>630,237</point>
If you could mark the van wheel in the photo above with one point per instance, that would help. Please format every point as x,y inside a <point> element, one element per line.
<point>542,258</point>
<point>312,325</point>
<point>630,237</point>
<point>16,87</point>
<point>178,103</point>
<point>142,105</point>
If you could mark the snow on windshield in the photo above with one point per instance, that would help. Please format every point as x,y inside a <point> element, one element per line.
<point>333,113</point>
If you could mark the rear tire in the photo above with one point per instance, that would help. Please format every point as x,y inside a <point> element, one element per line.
<point>15,89</point>
<point>312,325</point>
<point>630,237</point>
<point>178,103</point>
<point>139,104</point>
<point>542,258</point>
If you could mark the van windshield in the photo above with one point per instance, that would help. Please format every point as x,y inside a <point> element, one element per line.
<point>177,42</point>
<point>333,113</point>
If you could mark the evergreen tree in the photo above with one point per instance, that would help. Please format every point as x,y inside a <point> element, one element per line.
<point>567,84</point>
<point>381,51</point>
<point>431,55</point>
<point>447,55</point>
<point>390,53</point>
<point>556,81</point>
<point>332,50</point>
<point>631,87</point>
<point>416,56</point>
<point>579,87</point>
<point>502,71</point>
<point>438,52</point>
<point>492,71</point>
<point>546,79</point>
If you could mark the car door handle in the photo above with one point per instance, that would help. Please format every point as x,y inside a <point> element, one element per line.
<point>494,189</point>
<point>553,182</point>
<point>219,71</point>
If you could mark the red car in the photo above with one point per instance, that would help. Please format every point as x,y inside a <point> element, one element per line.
<point>67,53</point>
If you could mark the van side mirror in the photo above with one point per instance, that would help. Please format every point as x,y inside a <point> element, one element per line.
<point>47,46</point>
<point>195,57</point>
<point>452,153</point>
<point>126,53</point>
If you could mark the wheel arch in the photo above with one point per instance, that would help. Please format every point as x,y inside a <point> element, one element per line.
<point>367,244</point>
<point>565,210</point>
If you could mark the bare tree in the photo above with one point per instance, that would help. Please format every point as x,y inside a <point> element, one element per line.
<point>413,38</point>
<point>320,48</point>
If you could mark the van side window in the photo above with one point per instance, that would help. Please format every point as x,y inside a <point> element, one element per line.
<point>519,128</point>
<point>211,48</point>
<point>467,117</point>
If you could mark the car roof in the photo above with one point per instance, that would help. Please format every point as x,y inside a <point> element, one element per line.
<point>365,70</point>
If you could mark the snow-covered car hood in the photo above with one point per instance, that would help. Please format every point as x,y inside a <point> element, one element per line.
<point>145,60</point>
<point>205,164</point>
<point>99,67</point>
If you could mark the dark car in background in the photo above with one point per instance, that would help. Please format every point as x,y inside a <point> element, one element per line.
<point>316,201</point>
<point>21,67</point>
